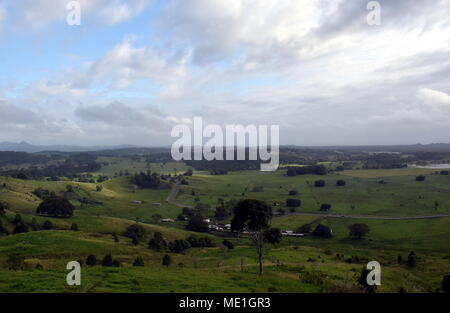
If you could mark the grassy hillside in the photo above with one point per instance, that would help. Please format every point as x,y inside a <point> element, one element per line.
<point>307,264</point>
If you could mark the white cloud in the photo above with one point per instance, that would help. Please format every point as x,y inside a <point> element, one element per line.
<point>124,64</point>
<point>38,15</point>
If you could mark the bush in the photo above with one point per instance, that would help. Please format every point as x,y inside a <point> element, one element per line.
<point>293,203</point>
<point>74,227</point>
<point>325,207</point>
<point>446,284</point>
<point>323,231</point>
<point>167,260</point>
<point>202,242</point>
<point>135,231</point>
<point>56,207</point>
<point>157,243</point>
<point>3,208</point>
<point>47,225</point>
<point>20,228</point>
<point>228,244</point>
<point>178,246</point>
<point>91,260</point>
<point>445,172</point>
<point>273,235</point>
<point>319,183</point>
<point>15,262</point>
<point>341,183</point>
<point>412,259</point>
<point>293,193</point>
<point>108,260</point>
<point>139,261</point>
<point>420,178</point>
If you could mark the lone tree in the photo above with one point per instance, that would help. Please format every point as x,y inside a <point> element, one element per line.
<point>136,231</point>
<point>253,216</point>
<point>56,207</point>
<point>358,231</point>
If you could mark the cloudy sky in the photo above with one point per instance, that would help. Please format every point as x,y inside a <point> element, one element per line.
<point>134,69</point>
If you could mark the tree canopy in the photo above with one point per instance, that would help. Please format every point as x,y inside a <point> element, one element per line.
<point>56,207</point>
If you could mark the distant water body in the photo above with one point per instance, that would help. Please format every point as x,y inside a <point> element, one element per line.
<point>431,166</point>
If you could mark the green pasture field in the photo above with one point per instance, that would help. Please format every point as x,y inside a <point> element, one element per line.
<point>306,264</point>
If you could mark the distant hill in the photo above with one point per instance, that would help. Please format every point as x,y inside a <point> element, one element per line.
<point>27,147</point>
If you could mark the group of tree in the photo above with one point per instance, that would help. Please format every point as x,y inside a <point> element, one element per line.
<point>307,170</point>
<point>149,180</point>
<point>56,207</point>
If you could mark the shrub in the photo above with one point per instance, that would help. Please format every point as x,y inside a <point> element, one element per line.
<point>20,228</point>
<point>107,260</point>
<point>3,207</point>
<point>293,203</point>
<point>167,260</point>
<point>420,178</point>
<point>228,244</point>
<point>445,172</point>
<point>293,192</point>
<point>412,259</point>
<point>341,183</point>
<point>74,227</point>
<point>157,242</point>
<point>325,207</point>
<point>47,225</point>
<point>202,242</point>
<point>319,183</point>
<point>91,260</point>
<point>446,284</point>
<point>139,261</point>
<point>15,262</point>
<point>178,246</point>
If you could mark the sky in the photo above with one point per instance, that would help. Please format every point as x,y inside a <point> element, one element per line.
<point>134,69</point>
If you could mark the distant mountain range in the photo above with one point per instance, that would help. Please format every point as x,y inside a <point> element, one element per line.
<point>27,147</point>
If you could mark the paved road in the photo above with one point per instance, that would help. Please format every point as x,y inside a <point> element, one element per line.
<point>176,188</point>
<point>371,217</point>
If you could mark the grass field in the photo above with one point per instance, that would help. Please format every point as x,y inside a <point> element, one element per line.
<point>307,264</point>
